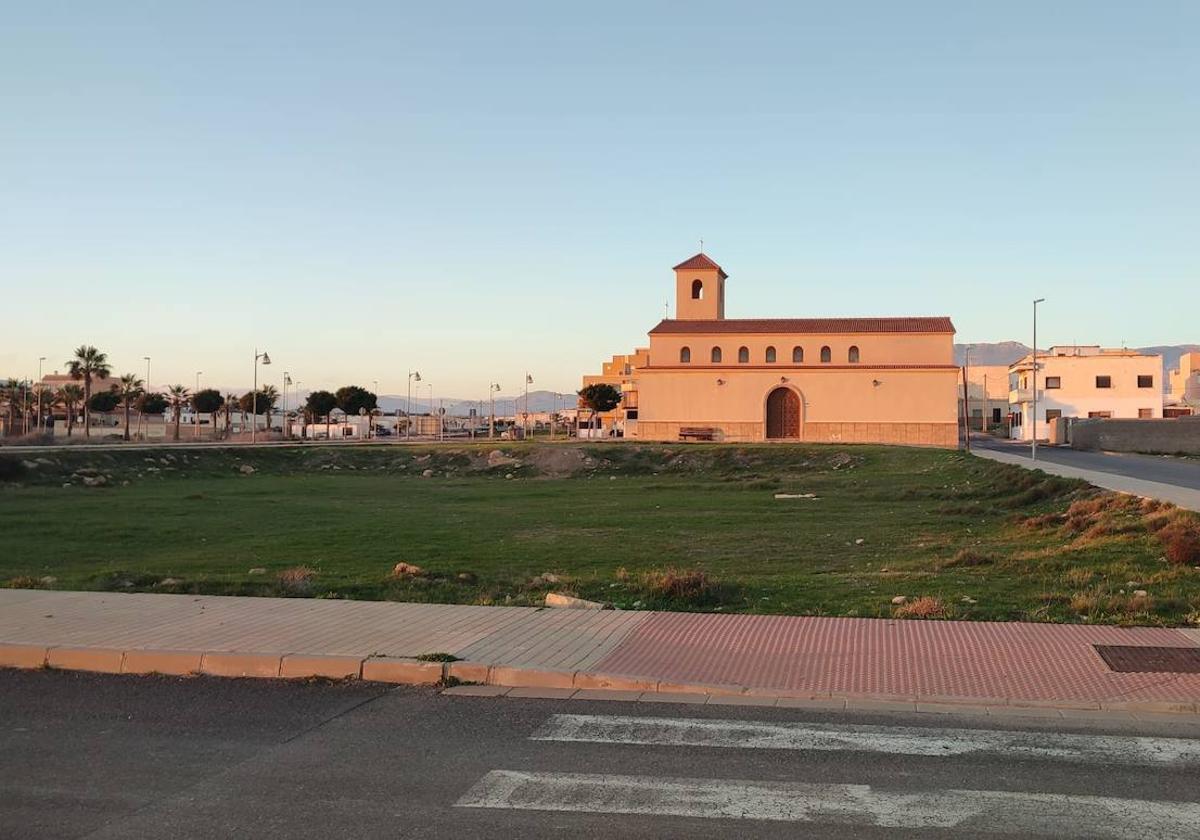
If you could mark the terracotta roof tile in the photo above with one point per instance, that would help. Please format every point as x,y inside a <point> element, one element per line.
<point>701,260</point>
<point>934,324</point>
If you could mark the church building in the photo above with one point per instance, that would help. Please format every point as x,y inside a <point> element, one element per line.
<point>822,380</point>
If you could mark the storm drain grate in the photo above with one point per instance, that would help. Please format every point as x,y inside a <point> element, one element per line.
<point>1134,659</point>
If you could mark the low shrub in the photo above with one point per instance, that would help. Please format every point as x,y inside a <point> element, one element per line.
<point>969,557</point>
<point>692,585</point>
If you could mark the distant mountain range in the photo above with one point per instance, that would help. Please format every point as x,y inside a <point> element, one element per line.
<point>1007,352</point>
<point>539,401</point>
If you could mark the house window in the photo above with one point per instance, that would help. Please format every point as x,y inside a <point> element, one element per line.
<point>853,354</point>
<point>1145,381</point>
<point>743,355</point>
<point>685,356</point>
<point>1103,415</point>
<point>1053,382</point>
<point>995,415</point>
<point>1145,412</point>
<point>697,290</point>
<point>797,355</point>
<point>716,355</point>
<point>1053,413</point>
<point>826,354</point>
<point>770,355</point>
<point>631,413</point>
<point>1103,381</point>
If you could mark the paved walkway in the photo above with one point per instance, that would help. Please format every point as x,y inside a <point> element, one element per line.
<point>1172,480</point>
<point>934,661</point>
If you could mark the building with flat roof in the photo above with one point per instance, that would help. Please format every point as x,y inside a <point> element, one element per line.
<point>833,380</point>
<point>1083,381</point>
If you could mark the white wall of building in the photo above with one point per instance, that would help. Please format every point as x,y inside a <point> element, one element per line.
<point>1077,393</point>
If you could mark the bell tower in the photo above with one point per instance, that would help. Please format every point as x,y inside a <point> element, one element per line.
<point>699,290</point>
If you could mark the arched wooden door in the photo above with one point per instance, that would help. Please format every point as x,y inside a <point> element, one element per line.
<point>783,414</point>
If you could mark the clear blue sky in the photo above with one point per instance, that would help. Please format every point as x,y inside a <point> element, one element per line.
<point>477,190</point>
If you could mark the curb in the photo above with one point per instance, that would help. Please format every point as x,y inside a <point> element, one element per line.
<point>482,680</point>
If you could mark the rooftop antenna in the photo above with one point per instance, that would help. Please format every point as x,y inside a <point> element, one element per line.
<point>701,246</point>
<point>667,310</point>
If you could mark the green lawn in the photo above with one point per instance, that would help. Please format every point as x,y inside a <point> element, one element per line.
<point>987,540</point>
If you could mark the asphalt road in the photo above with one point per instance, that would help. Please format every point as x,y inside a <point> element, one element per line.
<point>1179,472</point>
<point>125,757</point>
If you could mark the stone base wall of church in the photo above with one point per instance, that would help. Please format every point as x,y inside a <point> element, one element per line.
<point>944,435</point>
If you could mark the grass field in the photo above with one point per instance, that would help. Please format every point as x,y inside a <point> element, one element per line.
<point>640,526</point>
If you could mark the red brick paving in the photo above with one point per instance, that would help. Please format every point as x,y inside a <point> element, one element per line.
<point>888,657</point>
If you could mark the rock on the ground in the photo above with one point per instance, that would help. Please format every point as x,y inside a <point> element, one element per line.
<point>407,570</point>
<point>568,602</point>
<point>94,480</point>
<point>859,541</point>
<point>257,570</point>
<point>496,458</point>
<point>795,495</point>
<point>246,469</point>
<point>426,473</point>
<point>900,599</point>
<point>29,465</point>
<point>48,580</point>
<point>1140,593</point>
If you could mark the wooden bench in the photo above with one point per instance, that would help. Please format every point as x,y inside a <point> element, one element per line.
<point>697,433</point>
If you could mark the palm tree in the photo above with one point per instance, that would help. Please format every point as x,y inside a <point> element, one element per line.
<point>230,400</point>
<point>69,396</point>
<point>8,395</point>
<point>177,398</point>
<point>267,398</point>
<point>129,390</point>
<point>88,364</point>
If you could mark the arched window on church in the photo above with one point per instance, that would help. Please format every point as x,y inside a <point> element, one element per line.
<point>853,354</point>
<point>770,355</point>
<point>743,355</point>
<point>826,355</point>
<point>685,356</point>
<point>697,290</point>
<point>797,355</point>
<point>716,355</point>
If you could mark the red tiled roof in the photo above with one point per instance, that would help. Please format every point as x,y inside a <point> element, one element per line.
<point>935,324</point>
<point>701,260</point>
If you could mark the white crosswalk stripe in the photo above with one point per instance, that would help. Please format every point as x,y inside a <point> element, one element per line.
<point>904,740</point>
<point>1020,814</point>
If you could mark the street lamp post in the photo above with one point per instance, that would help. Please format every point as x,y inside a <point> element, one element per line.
<point>284,425</point>
<point>413,376</point>
<point>303,412</point>
<point>492,389</point>
<point>266,360</point>
<point>1033,447</point>
<point>41,421</point>
<point>525,416</point>
<point>142,413</point>
<point>430,384</point>
<point>371,413</point>
<point>195,409</point>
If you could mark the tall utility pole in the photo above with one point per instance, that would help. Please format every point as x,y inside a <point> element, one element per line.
<point>525,417</point>
<point>1033,447</point>
<point>283,424</point>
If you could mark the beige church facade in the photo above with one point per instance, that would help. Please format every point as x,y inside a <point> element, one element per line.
<point>828,380</point>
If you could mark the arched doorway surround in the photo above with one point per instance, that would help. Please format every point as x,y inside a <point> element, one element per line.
<point>785,414</point>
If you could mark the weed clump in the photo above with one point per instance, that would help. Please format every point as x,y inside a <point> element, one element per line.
<point>924,607</point>
<point>296,580</point>
<point>969,557</point>
<point>1181,541</point>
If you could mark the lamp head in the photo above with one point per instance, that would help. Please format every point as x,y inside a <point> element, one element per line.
<point>417,375</point>
<point>266,360</point>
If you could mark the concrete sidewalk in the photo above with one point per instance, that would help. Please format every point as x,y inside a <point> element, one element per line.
<point>803,658</point>
<point>1185,497</point>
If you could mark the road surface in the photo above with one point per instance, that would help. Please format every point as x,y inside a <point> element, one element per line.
<point>140,757</point>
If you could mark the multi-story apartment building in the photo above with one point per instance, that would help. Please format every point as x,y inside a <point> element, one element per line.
<point>1083,381</point>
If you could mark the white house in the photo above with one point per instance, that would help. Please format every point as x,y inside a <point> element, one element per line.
<point>1083,381</point>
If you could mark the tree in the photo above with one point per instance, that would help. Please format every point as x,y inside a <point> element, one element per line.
<point>88,365</point>
<point>321,404</point>
<point>10,396</point>
<point>599,398</point>
<point>152,403</point>
<point>351,398</point>
<point>128,391</point>
<point>267,397</point>
<point>208,401</point>
<point>69,397</point>
<point>230,401</point>
<point>177,397</point>
<point>103,402</point>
